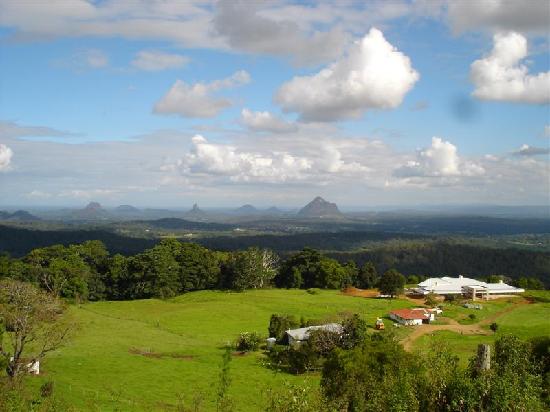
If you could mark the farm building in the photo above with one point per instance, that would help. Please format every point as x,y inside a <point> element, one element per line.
<point>412,317</point>
<point>302,334</point>
<point>464,286</point>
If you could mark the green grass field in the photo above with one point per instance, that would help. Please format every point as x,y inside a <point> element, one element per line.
<point>185,336</point>
<point>152,354</point>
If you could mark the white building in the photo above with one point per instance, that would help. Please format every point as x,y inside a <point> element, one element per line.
<point>296,336</point>
<point>465,286</point>
<point>413,317</point>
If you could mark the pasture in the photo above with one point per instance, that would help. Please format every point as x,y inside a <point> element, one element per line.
<point>158,354</point>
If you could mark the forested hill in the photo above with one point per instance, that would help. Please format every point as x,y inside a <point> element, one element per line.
<point>441,258</point>
<point>410,254</point>
<point>19,241</point>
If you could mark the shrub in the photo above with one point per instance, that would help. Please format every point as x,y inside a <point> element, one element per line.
<point>493,326</point>
<point>279,324</point>
<point>46,390</point>
<point>248,341</point>
<point>313,291</point>
<point>472,316</point>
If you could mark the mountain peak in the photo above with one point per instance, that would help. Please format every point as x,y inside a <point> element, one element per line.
<point>93,206</point>
<point>319,207</point>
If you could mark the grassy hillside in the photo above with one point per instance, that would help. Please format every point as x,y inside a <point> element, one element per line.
<point>150,354</point>
<point>101,366</point>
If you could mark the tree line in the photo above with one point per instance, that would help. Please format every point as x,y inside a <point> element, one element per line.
<point>87,271</point>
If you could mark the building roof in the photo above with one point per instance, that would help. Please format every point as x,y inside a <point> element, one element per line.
<point>411,314</point>
<point>448,285</point>
<point>303,333</point>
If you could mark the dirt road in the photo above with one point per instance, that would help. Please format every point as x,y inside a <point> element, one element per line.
<point>454,326</point>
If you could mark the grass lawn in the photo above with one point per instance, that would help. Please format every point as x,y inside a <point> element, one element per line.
<point>461,314</point>
<point>525,321</point>
<point>104,367</point>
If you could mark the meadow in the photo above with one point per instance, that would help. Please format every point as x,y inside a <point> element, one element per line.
<point>158,354</point>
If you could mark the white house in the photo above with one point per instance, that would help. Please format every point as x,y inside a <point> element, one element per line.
<point>413,317</point>
<point>296,336</point>
<point>464,286</point>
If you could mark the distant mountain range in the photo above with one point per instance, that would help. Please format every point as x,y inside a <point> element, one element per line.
<point>19,216</point>
<point>127,209</point>
<point>320,208</point>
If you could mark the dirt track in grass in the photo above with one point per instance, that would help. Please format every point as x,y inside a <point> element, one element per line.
<point>454,326</point>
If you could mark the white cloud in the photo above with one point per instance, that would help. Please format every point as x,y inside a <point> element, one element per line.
<point>530,16</point>
<point>196,100</point>
<point>266,121</point>
<point>12,129</point>
<point>526,150</point>
<point>38,194</point>
<point>247,29</point>
<point>87,193</point>
<point>439,160</point>
<point>95,58</point>
<point>207,158</point>
<point>547,130</point>
<point>500,76</point>
<point>5,157</point>
<point>155,60</point>
<point>374,75</point>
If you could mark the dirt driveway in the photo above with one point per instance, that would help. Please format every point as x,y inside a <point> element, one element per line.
<point>454,326</point>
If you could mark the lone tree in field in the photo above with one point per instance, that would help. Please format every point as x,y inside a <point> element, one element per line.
<point>28,317</point>
<point>391,283</point>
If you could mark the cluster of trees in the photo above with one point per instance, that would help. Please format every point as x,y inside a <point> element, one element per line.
<point>380,376</point>
<point>311,354</point>
<point>87,271</point>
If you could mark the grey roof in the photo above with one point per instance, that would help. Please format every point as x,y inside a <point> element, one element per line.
<point>303,333</point>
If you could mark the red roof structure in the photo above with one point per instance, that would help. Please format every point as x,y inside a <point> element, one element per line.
<point>411,314</point>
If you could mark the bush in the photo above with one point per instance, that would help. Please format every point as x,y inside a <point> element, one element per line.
<point>279,324</point>
<point>472,316</point>
<point>313,291</point>
<point>248,341</point>
<point>493,326</point>
<point>46,390</point>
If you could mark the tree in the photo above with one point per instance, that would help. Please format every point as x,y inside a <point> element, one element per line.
<point>530,283</point>
<point>251,269</point>
<point>431,299</point>
<point>376,376</point>
<point>28,315</point>
<point>279,324</point>
<point>354,331</point>
<point>367,277</point>
<point>311,269</point>
<point>391,283</point>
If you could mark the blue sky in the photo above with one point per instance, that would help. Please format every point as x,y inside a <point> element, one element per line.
<point>167,103</point>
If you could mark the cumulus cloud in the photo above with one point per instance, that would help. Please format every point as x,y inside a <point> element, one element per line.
<point>5,157</point>
<point>225,160</point>
<point>500,76</point>
<point>245,28</point>
<point>374,75</point>
<point>531,16</point>
<point>266,121</point>
<point>155,60</point>
<point>196,100</point>
<point>526,150</point>
<point>439,160</point>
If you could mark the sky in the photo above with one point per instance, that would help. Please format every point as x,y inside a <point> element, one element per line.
<point>221,103</point>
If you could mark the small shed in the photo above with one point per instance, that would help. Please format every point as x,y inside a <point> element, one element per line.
<point>296,336</point>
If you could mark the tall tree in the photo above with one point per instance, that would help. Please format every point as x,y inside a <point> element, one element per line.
<point>391,283</point>
<point>29,320</point>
